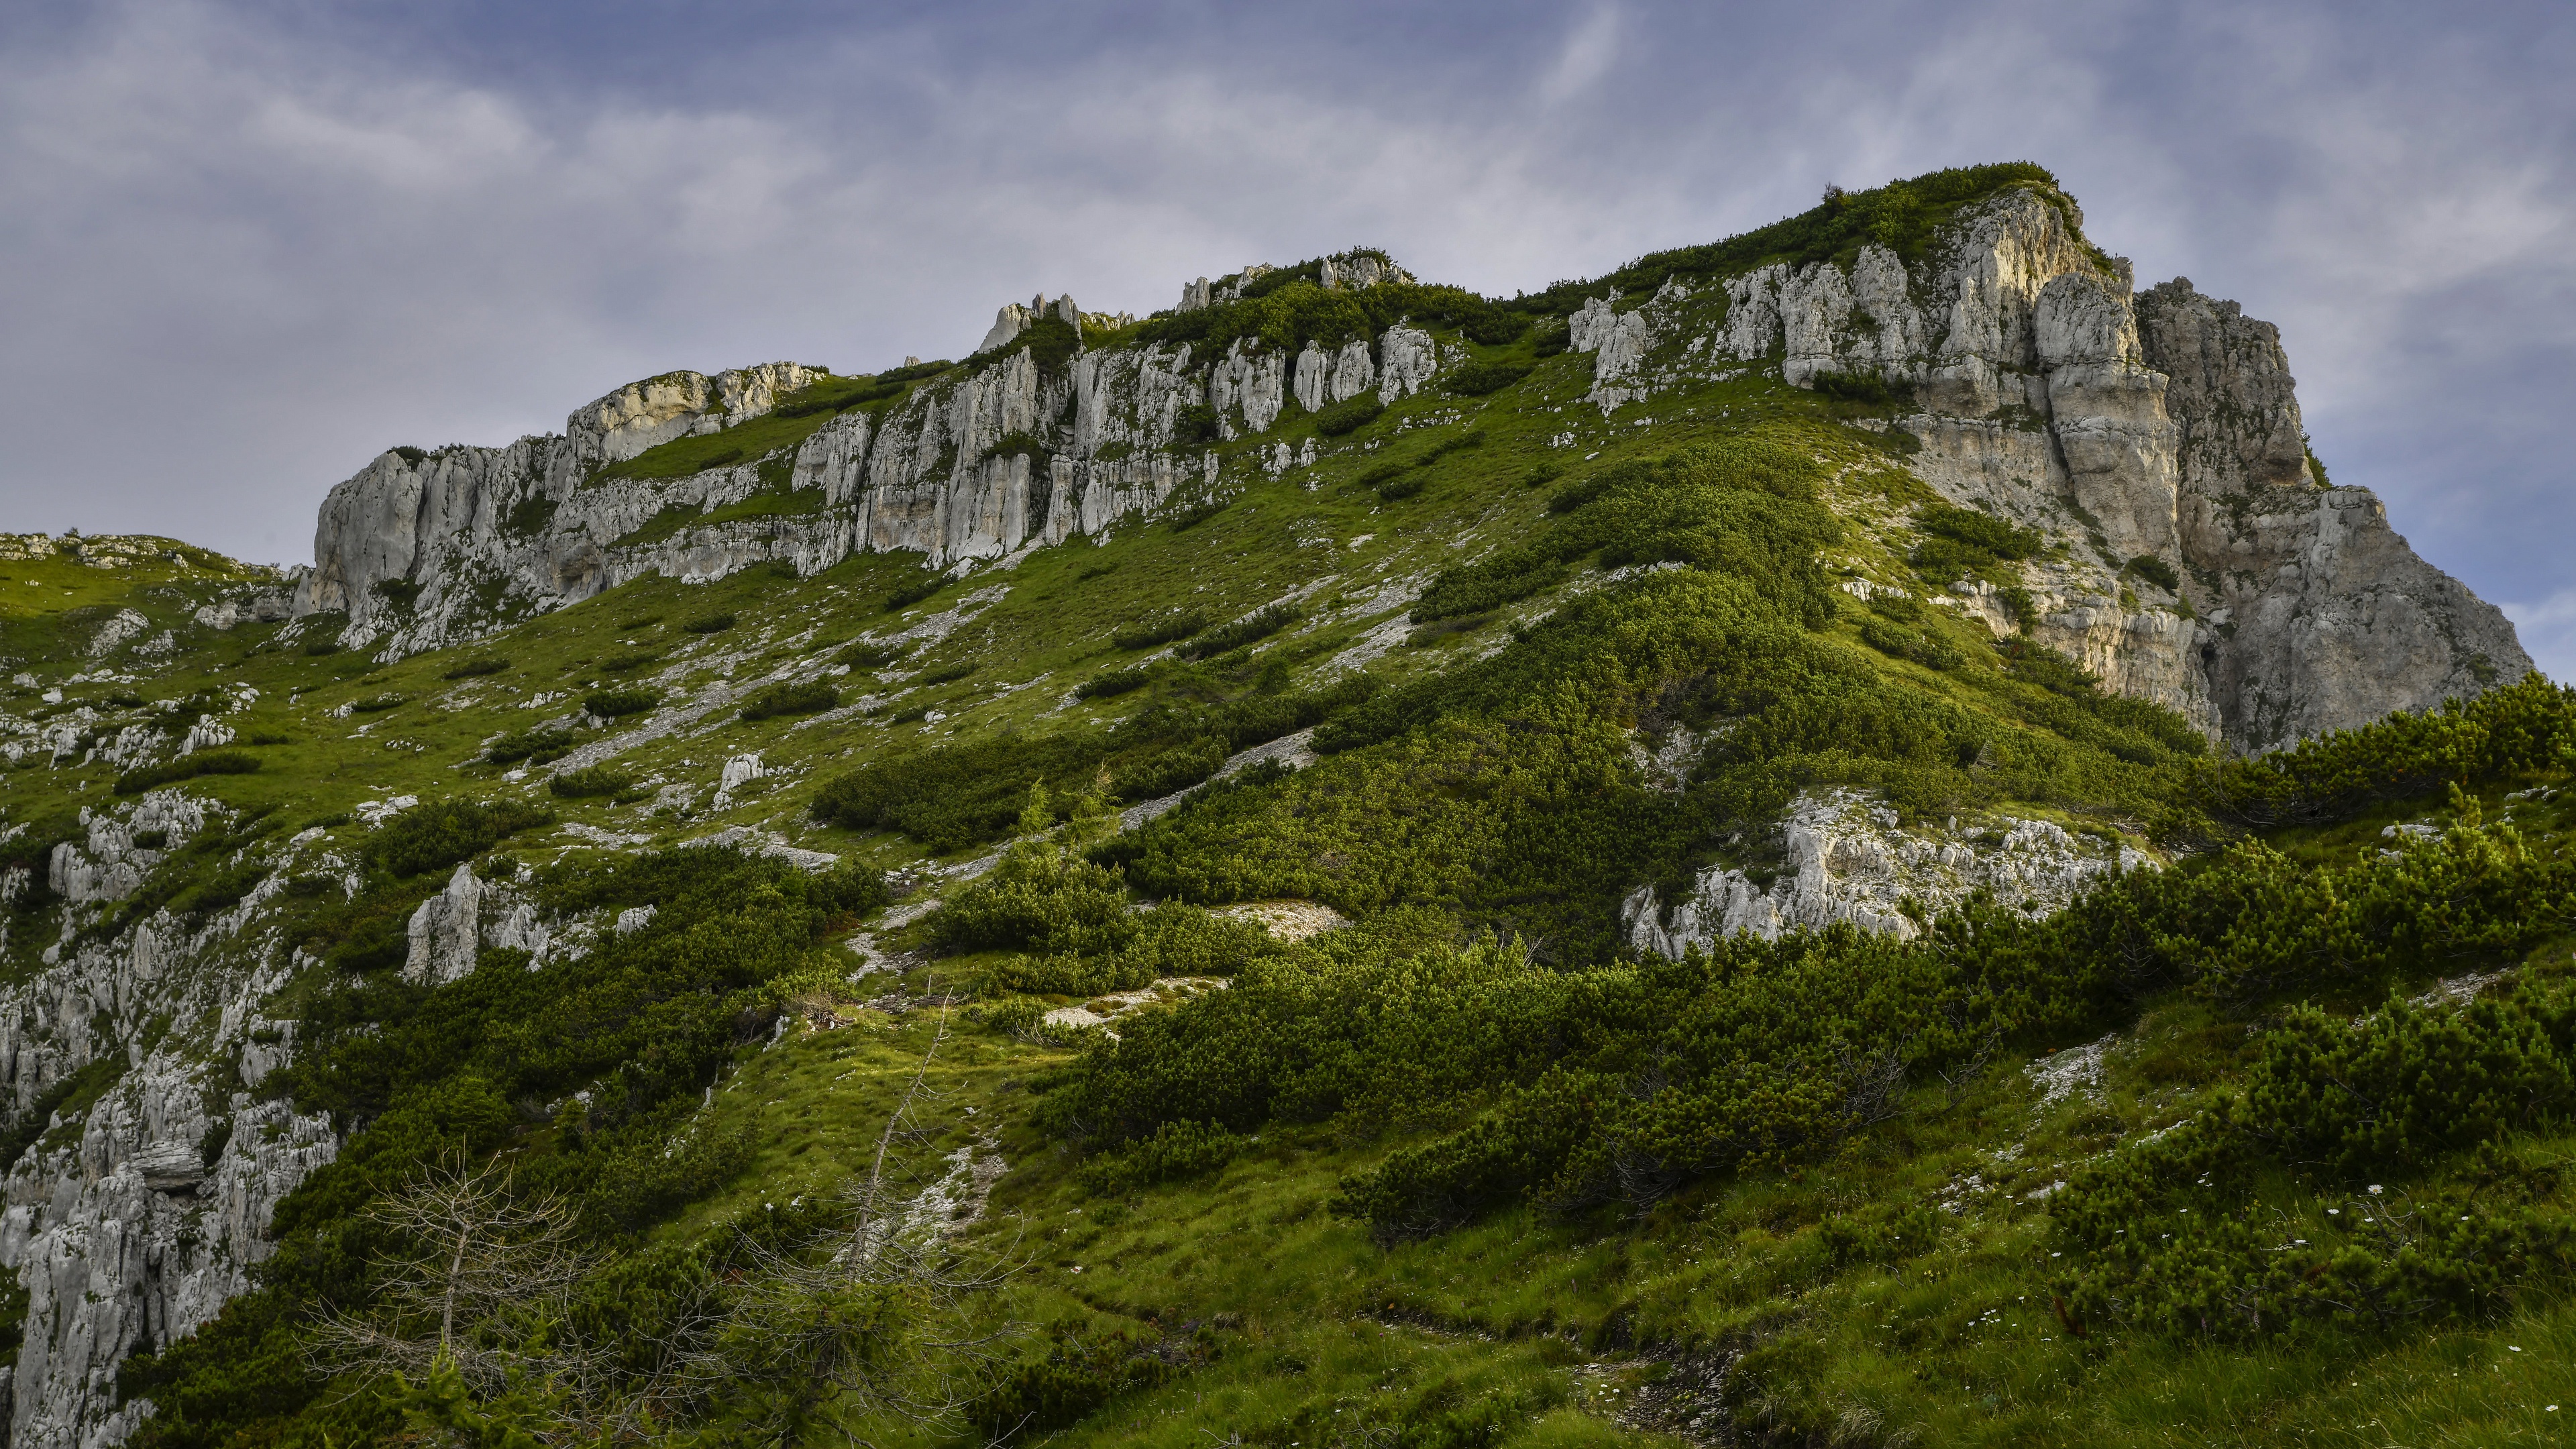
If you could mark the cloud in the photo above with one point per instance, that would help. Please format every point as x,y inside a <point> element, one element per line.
<point>251,243</point>
<point>1585,57</point>
<point>2548,631</point>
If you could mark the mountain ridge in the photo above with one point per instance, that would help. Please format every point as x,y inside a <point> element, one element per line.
<point>1607,829</point>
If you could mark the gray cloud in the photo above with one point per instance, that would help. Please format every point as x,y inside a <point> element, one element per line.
<point>250,245</point>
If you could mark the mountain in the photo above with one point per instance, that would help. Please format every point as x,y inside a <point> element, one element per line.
<point>1700,856</point>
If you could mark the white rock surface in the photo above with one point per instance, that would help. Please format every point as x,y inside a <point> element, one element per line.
<point>1849,860</point>
<point>446,932</point>
<point>132,1223</point>
<point>1409,359</point>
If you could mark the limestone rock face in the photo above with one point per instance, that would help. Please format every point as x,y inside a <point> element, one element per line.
<point>2323,617</point>
<point>446,932</point>
<point>1247,389</point>
<point>2159,425</point>
<point>1849,860</point>
<point>1409,358</point>
<point>1312,378</point>
<point>146,1213</point>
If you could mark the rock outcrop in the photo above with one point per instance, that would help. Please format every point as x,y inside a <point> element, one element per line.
<point>424,549</point>
<point>2159,426</point>
<point>146,1202</point>
<point>2154,436</point>
<point>1848,860</point>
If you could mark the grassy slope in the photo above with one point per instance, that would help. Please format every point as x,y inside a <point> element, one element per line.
<point>1522,1329</point>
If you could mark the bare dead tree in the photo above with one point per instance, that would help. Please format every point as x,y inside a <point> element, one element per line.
<point>474,1267</point>
<point>878,1321</point>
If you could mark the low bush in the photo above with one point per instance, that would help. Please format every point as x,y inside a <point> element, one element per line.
<point>539,746</point>
<point>1177,1150</point>
<point>448,832</point>
<point>319,647</point>
<point>911,592</point>
<point>1147,633</point>
<point>948,673</point>
<point>1112,683</point>
<point>1349,415</point>
<point>186,767</point>
<point>1194,425</point>
<point>2191,1236</point>
<point>618,703</point>
<point>1477,379</point>
<point>870,653</point>
<point>769,702</point>
<point>954,795</point>
<point>1198,513</point>
<point>597,780</point>
<point>1175,767</point>
<point>1961,543</point>
<point>1923,649</point>
<point>631,660</point>
<point>378,703</point>
<point>709,624</point>
<point>1252,628</point>
<point>480,664</point>
<point>2157,572</point>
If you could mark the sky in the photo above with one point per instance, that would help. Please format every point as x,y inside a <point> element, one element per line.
<point>245,247</point>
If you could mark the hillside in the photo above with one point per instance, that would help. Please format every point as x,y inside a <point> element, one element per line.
<point>1835,837</point>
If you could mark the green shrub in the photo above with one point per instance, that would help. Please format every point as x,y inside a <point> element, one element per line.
<point>186,767</point>
<point>1401,488</point>
<point>1081,1371</point>
<point>2166,1235</point>
<point>948,673</point>
<point>1865,389</point>
<point>538,746</point>
<point>378,703</point>
<point>709,623</point>
<point>321,646</point>
<point>811,697</point>
<point>1176,767</point>
<point>1162,629</point>
<point>953,795</point>
<point>445,833</point>
<point>1042,896</point>
<point>1349,415</point>
<point>1193,425</point>
<point>870,654</point>
<point>1176,1151</point>
<point>2158,572</point>
<point>1961,542</point>
<point>1017,1017</point>
<point>633,659</point>
<point>589,783</point>
<point>478,665</point>
<point>1253,627</point>
<point>618,703</point>
<point>907,594</point>
<point>1476,379</point>
<point>1923,649</point>
<point>1114,682</point>
<point>1198,513</point>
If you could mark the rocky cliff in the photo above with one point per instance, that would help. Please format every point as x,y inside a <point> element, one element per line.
<point>2159,426</point>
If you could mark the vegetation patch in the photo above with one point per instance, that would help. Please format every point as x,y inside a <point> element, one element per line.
<point>771,701</point>
<point>186,767</point>
<point>618,703</point>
